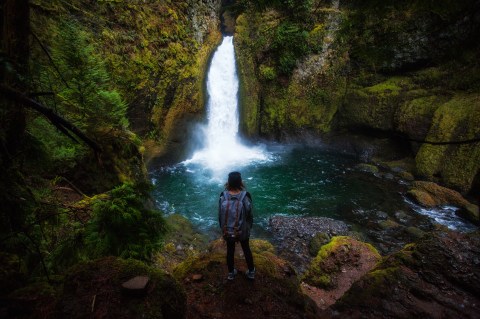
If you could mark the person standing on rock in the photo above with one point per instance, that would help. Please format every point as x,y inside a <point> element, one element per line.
<point>236,219</point>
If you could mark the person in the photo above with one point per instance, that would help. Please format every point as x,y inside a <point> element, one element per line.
<point>235,187</point>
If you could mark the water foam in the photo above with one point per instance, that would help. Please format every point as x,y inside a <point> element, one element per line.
<point>223,149</point>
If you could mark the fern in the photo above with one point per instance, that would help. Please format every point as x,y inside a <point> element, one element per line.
<point>122,226</point>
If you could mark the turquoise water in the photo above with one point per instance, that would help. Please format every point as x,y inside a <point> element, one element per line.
<point>299,181</point>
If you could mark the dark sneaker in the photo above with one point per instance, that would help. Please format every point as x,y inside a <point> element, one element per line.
<point>231,275</point>
<point>250,274</point>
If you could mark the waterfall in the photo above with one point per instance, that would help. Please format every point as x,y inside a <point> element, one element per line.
<point>223,150</point>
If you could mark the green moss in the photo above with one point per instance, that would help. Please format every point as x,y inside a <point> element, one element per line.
<point>249,86</point>
<point>330,259</point>
<point>183,242</point>
<point>375,106</point>
<point>261,246</point>
<point>373,284</point>
<point>318,274</point>
<point>392,86</point>
<point>317,242</point>
<point>415,116</point>
<point>455,165</point>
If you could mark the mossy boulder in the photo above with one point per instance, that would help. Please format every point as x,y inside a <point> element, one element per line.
<point>455,166</point>
<point>429,194</point>
<point>437,275</point>
<point>337,265</point>
<point>94,289</point>
<point>317,242</point>
<point>415,116</point>
<point>374,106</point>
<point>340,255</point>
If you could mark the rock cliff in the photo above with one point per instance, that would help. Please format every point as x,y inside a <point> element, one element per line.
<point>407,71</point>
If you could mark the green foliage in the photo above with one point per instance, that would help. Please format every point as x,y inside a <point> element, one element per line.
<point>56,152</point>
<point>267,73</point>
<point>293,8</point>
<point>289,45</point>
<point>122,226</point>
<point>87,100</point>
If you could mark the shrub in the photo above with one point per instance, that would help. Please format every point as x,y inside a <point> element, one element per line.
<point>122,226</point>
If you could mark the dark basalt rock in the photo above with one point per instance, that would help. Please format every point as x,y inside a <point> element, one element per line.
<point>293,235</point>
<point>436,277</point>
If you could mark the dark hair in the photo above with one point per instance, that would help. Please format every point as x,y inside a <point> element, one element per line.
<point>234,181</point>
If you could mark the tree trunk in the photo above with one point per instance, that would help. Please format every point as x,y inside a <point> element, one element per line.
<point>15,30</point>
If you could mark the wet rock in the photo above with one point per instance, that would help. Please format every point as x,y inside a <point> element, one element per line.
<point>308,226</point>
<point>415,232</point>
<point>439,194</point>
<point>470,212</point>
<point>406,176</point>
<point>389,223</point>
<point>397,169</point>
<point>402,217</point>
<point>382,215</point>
<point>421,197</point>
<point>368,168</point>
<point>429,194</point>
<point>389,176</point>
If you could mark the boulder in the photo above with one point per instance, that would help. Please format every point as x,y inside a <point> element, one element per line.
<point>336,267</point>
<point>429,194</point>
<point>438,276</point>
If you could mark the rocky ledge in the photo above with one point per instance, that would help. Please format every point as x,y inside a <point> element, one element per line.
<point>438,276</point>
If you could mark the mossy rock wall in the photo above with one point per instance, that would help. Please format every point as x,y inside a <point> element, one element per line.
<point>156,52</point>
<point>276,105</point>
<point>249,88</point>
<point>454,165</point>
<point>379,75</point>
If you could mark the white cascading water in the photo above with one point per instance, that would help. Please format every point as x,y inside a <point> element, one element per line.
<point>223,149</point>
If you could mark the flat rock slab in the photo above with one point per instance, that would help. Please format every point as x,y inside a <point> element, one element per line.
<point>137,285</point>
<point>292,236</point>
<point>283,226</point>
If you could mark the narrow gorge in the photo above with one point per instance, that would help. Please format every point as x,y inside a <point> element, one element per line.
<point>354,125</point>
